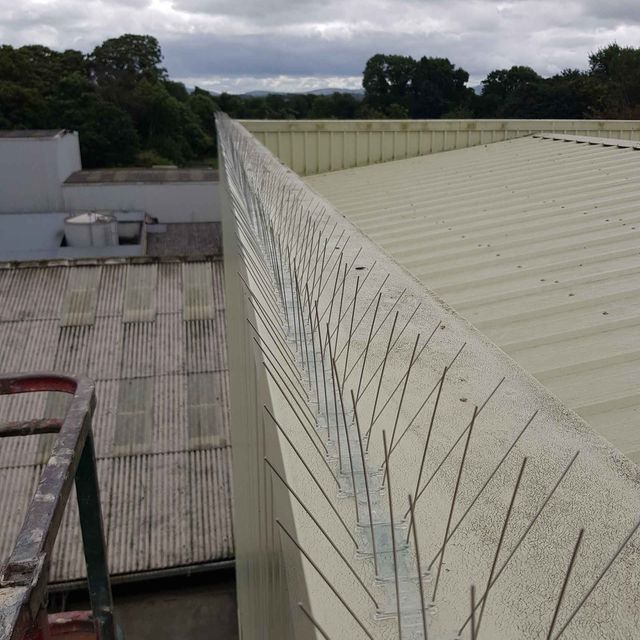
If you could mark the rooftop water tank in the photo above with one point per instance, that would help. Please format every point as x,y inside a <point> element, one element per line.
<point>91,230</point>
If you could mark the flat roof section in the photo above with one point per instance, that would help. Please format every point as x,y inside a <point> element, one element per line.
<point>153,176</point>
<point>32,133</point>
<point>201,239</point>
<point>536,241</point>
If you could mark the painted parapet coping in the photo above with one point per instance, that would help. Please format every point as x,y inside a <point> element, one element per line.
<point>302,535</point>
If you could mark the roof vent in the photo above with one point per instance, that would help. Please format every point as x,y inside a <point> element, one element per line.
<point>91,230</point>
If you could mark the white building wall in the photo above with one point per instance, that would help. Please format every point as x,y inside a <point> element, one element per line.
<point>168,202</point>
<point>32,171</point>
<point>68,159</point>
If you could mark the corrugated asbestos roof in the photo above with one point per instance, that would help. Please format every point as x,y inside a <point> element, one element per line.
<point>152,336</point>
<point>536,241</point>
<point>153,176</point>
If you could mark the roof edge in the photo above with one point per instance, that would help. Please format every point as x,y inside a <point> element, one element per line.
<point>603,142</point>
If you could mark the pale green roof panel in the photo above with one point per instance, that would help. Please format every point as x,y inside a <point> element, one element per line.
<point>537,242</point>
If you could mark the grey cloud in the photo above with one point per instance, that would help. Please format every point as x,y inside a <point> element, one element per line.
<point>255,9</point>
<point>265,55</point>
<point>617,12</point>
<point>270,39</point>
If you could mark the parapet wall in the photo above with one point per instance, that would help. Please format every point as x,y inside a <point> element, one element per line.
<point>318,146</point>
<point>353,388</point>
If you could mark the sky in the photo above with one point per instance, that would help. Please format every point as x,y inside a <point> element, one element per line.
<point>300,45</point>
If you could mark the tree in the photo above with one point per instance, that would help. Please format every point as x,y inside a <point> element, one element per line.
<point>21,107</point>
<point>399,86</point>
<point>336,105</point>
<point>204,106</point>
<point>572,94</point>
<point>107,135</point>
<point>387,80</point>
<point>437,86</point>
<point>118,98</point>
<point>177,90</point>
<point>118,65</point>
<point>618,69</point>
<point>511,93</point>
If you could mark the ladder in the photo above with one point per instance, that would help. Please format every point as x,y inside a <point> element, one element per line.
<point>24,579</point>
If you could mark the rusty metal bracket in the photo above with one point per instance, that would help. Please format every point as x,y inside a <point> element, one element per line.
<point>24,578</point>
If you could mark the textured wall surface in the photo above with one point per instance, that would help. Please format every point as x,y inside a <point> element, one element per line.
<point>317,146</point>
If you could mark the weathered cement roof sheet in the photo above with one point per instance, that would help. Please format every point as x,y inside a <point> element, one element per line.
<point>152,336</point>
<point>536,241</point>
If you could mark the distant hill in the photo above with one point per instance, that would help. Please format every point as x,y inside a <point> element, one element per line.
<point>356,93</point>
<point>259,94</point>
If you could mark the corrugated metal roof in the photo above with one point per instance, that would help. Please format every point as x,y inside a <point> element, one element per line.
<point>161,423</point>
<point>154,176</point>
<point>537,242</point>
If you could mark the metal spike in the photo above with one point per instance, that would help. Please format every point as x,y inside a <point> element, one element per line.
<point>474,635</point>
<point>346,437</point>
<point>323,531</point>
<point>366,348</point>
<point>337,329</point>
<point>565,582</point>
<point>595,584</point>
<point>453,501</point>
<point>384,364</point>
<point>522,537</point>
<point>393,534</point>
<point>424,402</point>
<point>315,480</point>
<point>393,345</point>
<point>353,313</point>
<point>335,401</point>
<point>455,444</point>
<point>324,373</point>
<point>312,620</point>
<point>403,380</point>
<point>375,296</point>
<point>366,483</point>
<point>375,333</point>
<point>426,446</point>
<point>419,572</point>
<point>487,481</point>
<point>499,545</point>
<point>412,361</point>
<point>326,580</point>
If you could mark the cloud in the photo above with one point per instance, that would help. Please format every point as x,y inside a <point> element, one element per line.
<point>232,44</point>
<point>612,12</point>
<point>281,83</point>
